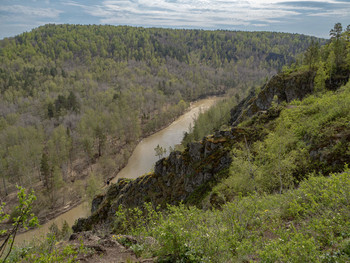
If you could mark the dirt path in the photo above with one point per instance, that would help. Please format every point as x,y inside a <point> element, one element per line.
<point>104,250</point>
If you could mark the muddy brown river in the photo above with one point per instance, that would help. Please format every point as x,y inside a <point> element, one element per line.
<point>141,161</point>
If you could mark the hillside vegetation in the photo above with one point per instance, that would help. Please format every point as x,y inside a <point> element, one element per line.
<point>76,99</point>
<point>274,187</point>
<point>271,184</point>
<point>309,224</point>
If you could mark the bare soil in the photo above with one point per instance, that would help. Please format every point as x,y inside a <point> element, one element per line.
<point>103,249</point>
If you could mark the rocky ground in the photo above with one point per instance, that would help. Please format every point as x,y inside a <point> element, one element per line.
<point>105,249</point>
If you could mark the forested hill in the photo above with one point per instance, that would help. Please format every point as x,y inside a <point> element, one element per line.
<point>78,97</point>
<point>215,57</point>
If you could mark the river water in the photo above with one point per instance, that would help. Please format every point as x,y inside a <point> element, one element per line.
<point>141,161</point>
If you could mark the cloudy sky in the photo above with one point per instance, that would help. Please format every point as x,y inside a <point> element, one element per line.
<point>306,17</point>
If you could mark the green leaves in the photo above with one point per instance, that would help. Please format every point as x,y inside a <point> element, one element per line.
<point>3,217</point>
<point>308,224</point>
<point>23,218</point>
<point>160,151</point>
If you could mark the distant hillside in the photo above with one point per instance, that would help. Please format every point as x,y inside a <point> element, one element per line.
<point>76,99</point>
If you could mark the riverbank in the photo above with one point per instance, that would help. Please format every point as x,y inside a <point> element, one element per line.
<point>77,207</point>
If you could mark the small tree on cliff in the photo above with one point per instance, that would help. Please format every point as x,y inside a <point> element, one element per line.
<point>160,151</point>
<point>312,54</point>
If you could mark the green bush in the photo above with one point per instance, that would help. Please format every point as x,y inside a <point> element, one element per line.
<point>308,136</point>
<point>309,224</point>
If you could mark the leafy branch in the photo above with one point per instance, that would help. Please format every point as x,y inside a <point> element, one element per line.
<point>24,219</point>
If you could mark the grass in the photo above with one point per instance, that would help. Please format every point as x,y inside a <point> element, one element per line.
<point>308,224</point>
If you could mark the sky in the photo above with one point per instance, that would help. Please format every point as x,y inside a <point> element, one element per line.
<point>306,17</point>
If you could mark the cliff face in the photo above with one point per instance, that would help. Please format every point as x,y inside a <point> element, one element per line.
<point>174,179</point>
<point>287,87</point>
<point>187,176</point>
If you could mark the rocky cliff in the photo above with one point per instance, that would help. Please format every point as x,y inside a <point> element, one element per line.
<point>175,178</point>
<point>283,87</point>
<point>187,176</point>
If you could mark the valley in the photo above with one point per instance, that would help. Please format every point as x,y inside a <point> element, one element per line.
<point>261,175</point>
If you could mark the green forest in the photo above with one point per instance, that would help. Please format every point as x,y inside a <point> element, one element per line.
<point>76,99</point>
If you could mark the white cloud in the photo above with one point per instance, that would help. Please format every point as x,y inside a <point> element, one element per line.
<point>201,13</point>
<point>94,10</point>
<point>206,14</point>
<point>333,13</point>
<point>187,13</point>
<point>31,11</point>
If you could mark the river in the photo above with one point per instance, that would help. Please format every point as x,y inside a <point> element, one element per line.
<point>140,162</point>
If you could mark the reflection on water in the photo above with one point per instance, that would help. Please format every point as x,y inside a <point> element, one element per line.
<point>141,161</point>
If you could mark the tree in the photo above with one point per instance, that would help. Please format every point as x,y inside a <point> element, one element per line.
<point>160,151</point>
<point>347,34</point>
<point>320,78</point>
<point>331,64</point>
<point>72,102</point>
<point>311,54</point>
<point>59,147</point>
<point>50,110</point>
<point>45,170</point>
<point>335,32</point>
<point>24,218</point>
<point>2,162</point>
<point>101,137</point>
<point>338,45</point>
<point>56,184</point>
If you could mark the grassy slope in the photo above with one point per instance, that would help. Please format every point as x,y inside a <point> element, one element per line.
<point>309,224</point>
<point>309,136</point>
<point>305,224</point>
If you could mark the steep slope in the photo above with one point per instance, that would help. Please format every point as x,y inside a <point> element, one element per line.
<point>190,175</point>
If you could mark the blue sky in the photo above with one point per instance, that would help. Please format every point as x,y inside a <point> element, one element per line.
<point>306,17</point>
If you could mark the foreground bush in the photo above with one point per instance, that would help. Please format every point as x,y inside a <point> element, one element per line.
<point>310,224</point>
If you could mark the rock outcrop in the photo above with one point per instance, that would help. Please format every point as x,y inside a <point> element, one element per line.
<point>187,176</point>
<point>175,178</point>
<point>286,87</point>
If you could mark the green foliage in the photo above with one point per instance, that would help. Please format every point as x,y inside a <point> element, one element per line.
<point>50,249</point>
<point>217,117</point>
<point>39,254</point>
<point>309,224</point>
<point>339,46</point>
<point>3,217</point>
<point>310,135</point>
<point>297,248</point>
<point>94,184</point>
<point>22,218</point>
<point>320,78</point>
<point>312,54</point>
<point>160,151</point>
